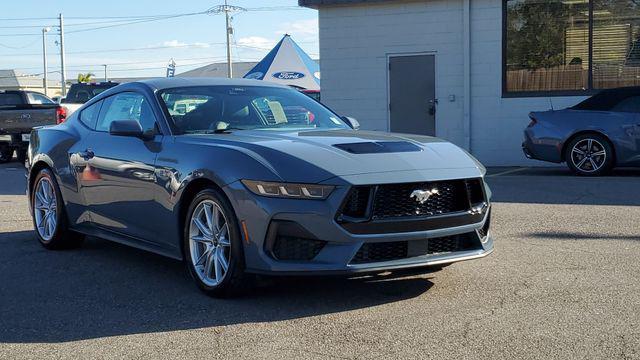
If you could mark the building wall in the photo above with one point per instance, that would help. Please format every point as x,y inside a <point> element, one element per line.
<point>356,40</point>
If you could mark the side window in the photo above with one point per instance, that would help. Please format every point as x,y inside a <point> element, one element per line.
<point>630,104</point>
<point>126,106</point>
<point>89,115</point>
<point>35,98</point>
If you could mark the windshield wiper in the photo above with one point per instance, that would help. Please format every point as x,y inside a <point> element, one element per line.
<point>222,131</point>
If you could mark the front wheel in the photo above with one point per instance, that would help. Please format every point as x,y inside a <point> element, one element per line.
<point>212,245</point>
<point>590,155</point>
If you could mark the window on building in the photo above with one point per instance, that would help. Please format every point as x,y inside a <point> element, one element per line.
<point>570,46</point>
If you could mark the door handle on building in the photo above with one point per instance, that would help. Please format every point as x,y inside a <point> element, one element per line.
<point>432,106</point>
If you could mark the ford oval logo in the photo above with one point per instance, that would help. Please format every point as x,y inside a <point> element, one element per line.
<point>288,75</point>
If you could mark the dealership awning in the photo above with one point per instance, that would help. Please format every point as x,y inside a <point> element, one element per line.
<point>288,64</point>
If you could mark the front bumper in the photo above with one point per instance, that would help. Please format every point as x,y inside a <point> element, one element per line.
<point>316,220</point>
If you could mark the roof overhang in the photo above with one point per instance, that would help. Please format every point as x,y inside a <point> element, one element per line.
<point>320,3</point>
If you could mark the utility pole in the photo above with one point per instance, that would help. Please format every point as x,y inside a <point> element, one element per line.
<point>227,9</point>
<point>105,73</point>
<point>63,69</point>
<point>229,32</point>
<point>45,82</point>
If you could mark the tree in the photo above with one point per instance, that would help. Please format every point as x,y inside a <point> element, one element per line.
<point>84,78</point>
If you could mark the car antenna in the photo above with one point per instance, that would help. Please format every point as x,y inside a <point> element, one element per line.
<point>551,103</point>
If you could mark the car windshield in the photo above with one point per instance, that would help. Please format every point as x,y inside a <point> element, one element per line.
<point>198,109</point>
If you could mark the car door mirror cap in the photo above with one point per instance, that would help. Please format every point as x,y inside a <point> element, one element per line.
<point>130,128</point>
<point>352,122</point>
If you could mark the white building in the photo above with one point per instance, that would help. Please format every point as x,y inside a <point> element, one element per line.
<point>487,62</point>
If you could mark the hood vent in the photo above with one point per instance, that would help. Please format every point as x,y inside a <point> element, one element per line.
<point>379,147</point>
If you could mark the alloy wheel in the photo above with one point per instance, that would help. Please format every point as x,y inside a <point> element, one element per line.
<point>45,209</point>
<point>209,242</point>
<point>588,155</point>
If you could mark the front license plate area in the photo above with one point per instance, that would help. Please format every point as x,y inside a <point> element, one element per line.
<point>26,137</point>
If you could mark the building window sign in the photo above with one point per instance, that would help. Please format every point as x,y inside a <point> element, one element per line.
<point>568,47</point>
<point>288,75</point>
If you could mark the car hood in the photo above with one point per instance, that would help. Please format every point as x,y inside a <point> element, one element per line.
<point>317,155</point>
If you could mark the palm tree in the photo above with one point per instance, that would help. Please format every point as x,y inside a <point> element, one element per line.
<point>85,78</point>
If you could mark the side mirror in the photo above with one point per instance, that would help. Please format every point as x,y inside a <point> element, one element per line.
<point>127,128</point>
<point>353,123</point>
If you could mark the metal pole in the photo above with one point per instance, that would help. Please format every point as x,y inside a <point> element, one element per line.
<point>63,70</point>
<point>44,60</point>
<point>229,31</point>
<point>105,73</point>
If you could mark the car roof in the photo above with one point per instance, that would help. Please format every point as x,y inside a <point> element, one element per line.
<point>607,99</point>
<point>167,83</point>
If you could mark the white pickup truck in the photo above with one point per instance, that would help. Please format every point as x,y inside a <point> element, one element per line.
<point>80,93</point>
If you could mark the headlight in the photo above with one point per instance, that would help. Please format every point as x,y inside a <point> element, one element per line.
<point>288,190</point>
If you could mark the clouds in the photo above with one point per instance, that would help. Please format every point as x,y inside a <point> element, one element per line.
<point>176,43</point>
<point>257,42</point>
<point>306,28</point>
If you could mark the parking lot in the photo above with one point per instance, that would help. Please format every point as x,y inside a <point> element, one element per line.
<point>564,282</point>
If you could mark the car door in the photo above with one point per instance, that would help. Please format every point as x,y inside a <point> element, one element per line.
<point>628,113</point>
<point>120,185</point>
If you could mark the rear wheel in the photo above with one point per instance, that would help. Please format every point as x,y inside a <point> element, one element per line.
<point>212,245</point>
<point>49,218</point>
<point>6,153</point>
<point>589,155</point>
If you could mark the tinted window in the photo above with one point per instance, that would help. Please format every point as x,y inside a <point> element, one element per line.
<point>210,108</point>
<point>81,93</point>
<point>35,98</point>
<point>126,106</point>
<point>10,99</point>
<point>631,104</point>
<point>89,115</point>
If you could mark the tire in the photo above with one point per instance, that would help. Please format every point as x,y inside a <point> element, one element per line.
<point>589,155</point>
<point>49,218</point>
<point>6,154</point>
<point>207,246</point>
<point>21,155</point>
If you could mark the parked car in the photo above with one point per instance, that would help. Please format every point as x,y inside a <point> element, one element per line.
<point>592,137</point>
<point>80,93</point>
<point>232,188</point>
<point>20,111</point>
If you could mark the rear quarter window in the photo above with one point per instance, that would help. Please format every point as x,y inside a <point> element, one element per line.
<point>89,115</point>
<point>10,99</point>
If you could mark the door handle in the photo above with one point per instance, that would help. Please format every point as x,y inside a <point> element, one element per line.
<point>87,154</point>
<point>432,106</point>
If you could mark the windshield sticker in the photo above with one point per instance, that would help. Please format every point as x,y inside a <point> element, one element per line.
<point>277,111</point>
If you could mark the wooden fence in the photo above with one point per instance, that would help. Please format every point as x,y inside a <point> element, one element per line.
<point>572,77</point>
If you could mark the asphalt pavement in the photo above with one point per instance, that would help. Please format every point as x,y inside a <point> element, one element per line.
<point>563,283</point>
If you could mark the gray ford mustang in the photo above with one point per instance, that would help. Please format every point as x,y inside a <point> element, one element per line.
<point>592,137</point>
<point>239,176</point>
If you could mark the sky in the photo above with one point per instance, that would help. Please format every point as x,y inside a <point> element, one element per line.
<point>145,48</point>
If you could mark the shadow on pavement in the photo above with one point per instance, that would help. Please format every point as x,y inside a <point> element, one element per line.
<point>560,186</point>
<point>580,236</point>
<point>106,289</point>
<point>12,181</point>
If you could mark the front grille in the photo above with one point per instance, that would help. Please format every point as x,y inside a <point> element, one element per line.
<point>292,248</point>
<point>393,201</point>
<point>484,231</point>
<point>388,251</point>
<point>357,202</point>
<point>385,251</point>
